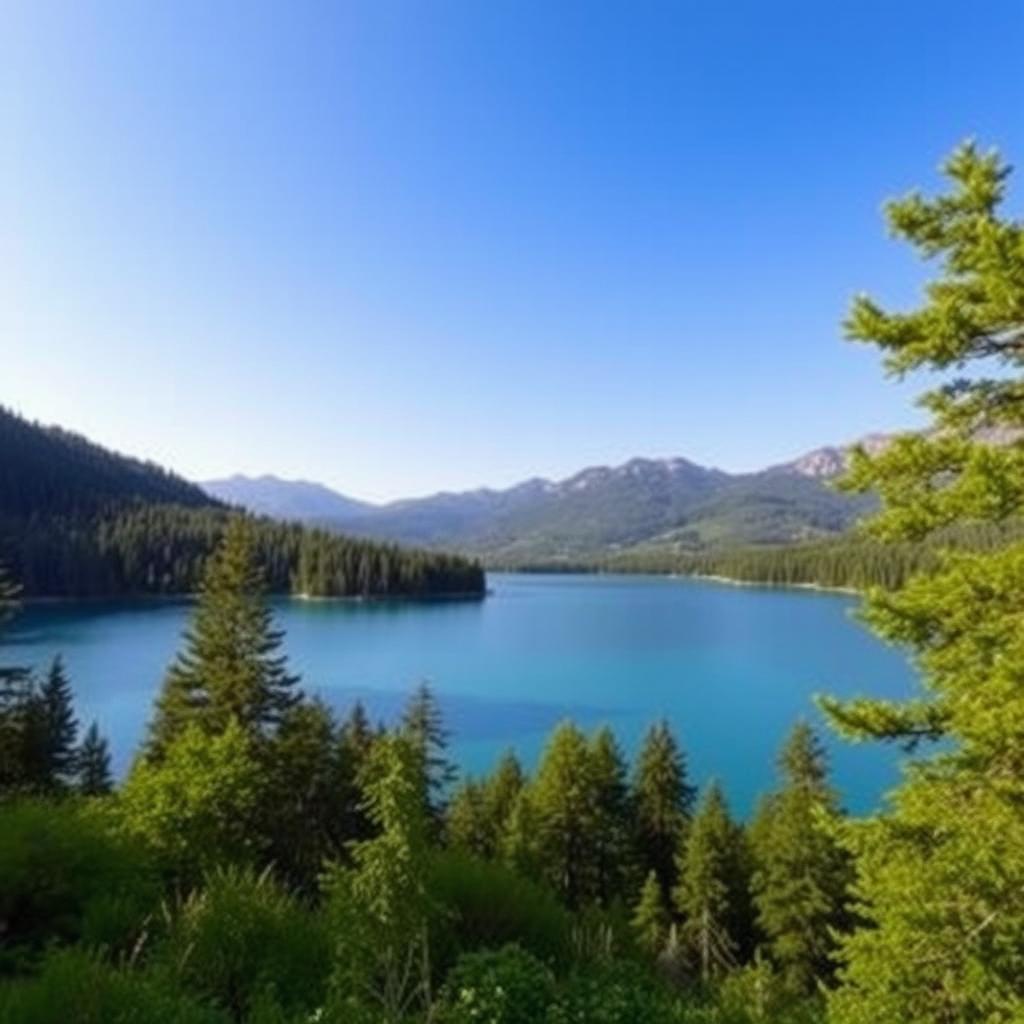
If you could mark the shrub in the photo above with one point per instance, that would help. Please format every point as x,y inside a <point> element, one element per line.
<point>242,941</point>
<point>508,986</point>
<point>487,906</point>
<point>66,875</point>
<point>619,992</point>
<point>76,985</point>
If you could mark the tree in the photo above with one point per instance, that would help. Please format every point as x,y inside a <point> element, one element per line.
<point>802,873</point>
<point>709,895</point>
<point>940,874</point>
<point>93,764</point>
<point>613,823</point>
<point>467,824</point>
<point>379,908</point>
<point>663,804</point>
<point>562,798</point>
<point>501,791</point>
<point>59,728</point>
<point>15,689</point>
<point>651,919</point>
<point>231,668</point>
<point>423,726</point>
<point>198,806</point>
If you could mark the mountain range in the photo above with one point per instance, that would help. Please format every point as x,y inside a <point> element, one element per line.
<point>672,503</point>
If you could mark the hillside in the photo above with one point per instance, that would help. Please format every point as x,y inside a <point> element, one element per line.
<point>297,500</point>
<point>673,504</point>
<point>79,520</point>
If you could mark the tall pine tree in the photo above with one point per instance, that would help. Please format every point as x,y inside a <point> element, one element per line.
<point>423,726</point>
<point>231,667</point>
<point>663,804</point>
<point>93,764</point>
<point>802,874</point>
<point>612,830</point>
<point>940,874</point>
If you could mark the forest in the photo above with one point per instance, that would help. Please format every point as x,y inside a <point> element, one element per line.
<point>263,862</point>
<point>79,521</point>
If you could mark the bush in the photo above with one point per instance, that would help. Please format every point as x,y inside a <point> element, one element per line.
<point>78,986</point>
<point>65,876</point>
<point>619,992</point>
<point>487,906</point>
<point>242,941</point>
<point>507,986</point>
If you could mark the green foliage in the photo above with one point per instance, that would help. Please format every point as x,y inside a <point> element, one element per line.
<point>93,763</point>
<point>241,940</point>
<point>379,909</point>
<point>198,806</point>
<point>78,985</point>
<point>231,668</point>
<point>484,905</point>
<point>617,992</point>
<point>613,821</point>
<point>423,726</point>
<point>711,895</point>
<point>651,918</point>
<point>67,876</point>
<point>663,804</point>
<point>940,874</point>
<point>506,986</point>
<point>802,873</point>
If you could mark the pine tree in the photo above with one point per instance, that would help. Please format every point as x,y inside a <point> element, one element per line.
<point>613,822</point>
<point>663,804</point>
<point>940,874</point>
<point>802,874</point>
<point>467,826</point>
<point>562,798</point>
<point>15,691</point>
<point>710,895</point>
<point>423,726</point>
<point>93,763</point>
<point>500,793</point>
<point>651,919</point>
<point>59,728</point>
<point>230,668</point>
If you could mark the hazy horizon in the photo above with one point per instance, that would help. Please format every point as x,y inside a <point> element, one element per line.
<point>400,249</point>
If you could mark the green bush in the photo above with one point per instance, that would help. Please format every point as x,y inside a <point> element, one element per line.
<point>65,876</point>
<point>243,941</point>
<point>486,906</point>
<point>508,986</point>
<point>78,986</point>
<point>619,992</point>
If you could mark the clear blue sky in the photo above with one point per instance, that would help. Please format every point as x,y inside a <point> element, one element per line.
<point>399,247</point>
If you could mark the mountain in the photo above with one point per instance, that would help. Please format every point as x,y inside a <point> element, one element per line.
<point>285,499</point>
<point>79,520</point>
<point>672,503</point>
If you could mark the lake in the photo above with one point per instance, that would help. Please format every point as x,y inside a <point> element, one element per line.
<point>731,668</point>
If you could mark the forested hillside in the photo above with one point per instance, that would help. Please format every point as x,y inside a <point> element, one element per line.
<point>78,520</point>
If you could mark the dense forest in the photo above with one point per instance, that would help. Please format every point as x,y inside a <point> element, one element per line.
<point>77,520</point>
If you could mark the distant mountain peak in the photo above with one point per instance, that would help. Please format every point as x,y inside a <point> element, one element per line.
<point>271,495</point>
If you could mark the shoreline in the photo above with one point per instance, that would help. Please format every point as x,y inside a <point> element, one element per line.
<point>766,584</point>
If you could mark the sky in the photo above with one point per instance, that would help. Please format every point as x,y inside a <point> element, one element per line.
<point>406,247</point>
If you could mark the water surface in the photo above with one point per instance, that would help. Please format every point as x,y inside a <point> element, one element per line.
<point>730,667</point>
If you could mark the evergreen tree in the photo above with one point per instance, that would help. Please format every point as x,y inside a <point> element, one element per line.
<point>520,844</point>
<point>59,734</point>
<point>500,793</point>
<point>93,764</point>
<point>710,894</point>
<point>940,874</point>
<point>15,690</point>
<point>663,804</point>
<point>231,668</point>
<point>802,874</point>
<point>423,726</point>
<point>563,800</point>
<point>651,919</point>
<point>613,823</point>
<point>467,825</point>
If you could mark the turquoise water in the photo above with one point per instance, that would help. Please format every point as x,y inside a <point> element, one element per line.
<point>730,667</point>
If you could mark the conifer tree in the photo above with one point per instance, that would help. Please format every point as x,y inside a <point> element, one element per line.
<point>663,804</point>
<point>15,690</point>
<point>651,919</point>
<point>802,874</point>
<point>612,828</point>
<point>563,800</point>
<point>467,825</point>
<point>93,764</point>
<point>940,874</point>
<point>423,726</point>
<point>520,844</point>
<point>231,667</point>
<point>710,894</point>
<point>59,728</point>
<point>500,793</point>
